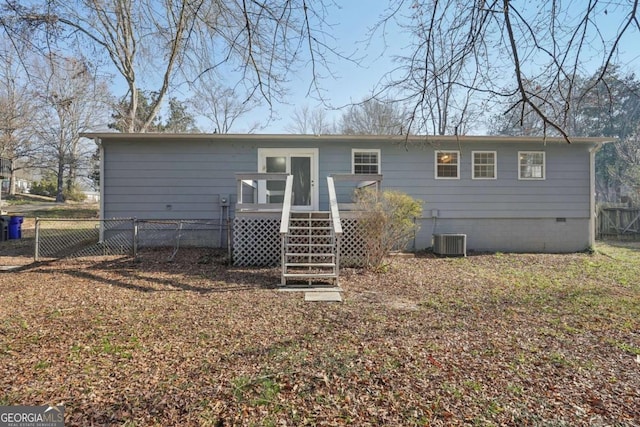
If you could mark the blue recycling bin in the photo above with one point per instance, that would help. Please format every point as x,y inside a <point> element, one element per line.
<point>15,227</point>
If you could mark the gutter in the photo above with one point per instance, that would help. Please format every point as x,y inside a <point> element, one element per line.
<point>98,141</point>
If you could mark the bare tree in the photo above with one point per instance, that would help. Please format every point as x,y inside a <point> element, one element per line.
<point>221,106</point>
<point>307,121</point>
<point>72,100</point>
<point>426,80</point>
<point>373,117</point>
<point>501,49</point>
<point>525,121</point>
<point>17,115</point>
<point>610,108</point>
<point>628,151</point>
<point>167,42</point>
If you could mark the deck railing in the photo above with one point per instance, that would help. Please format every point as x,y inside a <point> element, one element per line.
<point>360,181</point>
<point>252,180</point>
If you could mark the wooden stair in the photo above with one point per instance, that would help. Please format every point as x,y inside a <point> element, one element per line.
<point>309,249</point>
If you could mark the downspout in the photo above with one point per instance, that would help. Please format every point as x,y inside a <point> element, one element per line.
<point>592,193</point>
<point>101,189</point>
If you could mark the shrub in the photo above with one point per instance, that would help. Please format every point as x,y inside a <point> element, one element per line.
<point>386,222</point>
<point>74,194</point>
<point>44,188</point>
<point>49,187</point>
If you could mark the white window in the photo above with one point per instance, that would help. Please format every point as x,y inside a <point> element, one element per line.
<point>484,164</point>
<point>447,164</point>
<point>365,161</point>
<point>531,165</point>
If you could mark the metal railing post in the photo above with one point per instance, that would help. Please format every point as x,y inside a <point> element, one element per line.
<point>134,243</point>
<point>36,252</point>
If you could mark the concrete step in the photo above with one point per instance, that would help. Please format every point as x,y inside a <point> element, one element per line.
<point>327,296</point>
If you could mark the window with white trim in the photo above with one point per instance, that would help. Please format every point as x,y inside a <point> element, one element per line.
<point>531,165</point>
<point>447,164</point>
<point>483,164</point>
<point>365,161</point>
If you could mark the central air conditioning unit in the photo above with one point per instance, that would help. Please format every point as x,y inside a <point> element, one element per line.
<point>450,244</point>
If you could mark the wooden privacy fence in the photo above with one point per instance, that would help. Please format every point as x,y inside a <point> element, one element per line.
<point>618,222</point>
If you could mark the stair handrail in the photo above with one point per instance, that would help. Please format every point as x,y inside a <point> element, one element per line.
<point>286,205</point>
<point>335,222</point>
<point>333,205</point>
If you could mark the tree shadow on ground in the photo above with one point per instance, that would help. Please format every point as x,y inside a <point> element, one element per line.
<point>202,271</point>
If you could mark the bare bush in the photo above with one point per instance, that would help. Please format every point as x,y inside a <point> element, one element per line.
<point>387,222</point>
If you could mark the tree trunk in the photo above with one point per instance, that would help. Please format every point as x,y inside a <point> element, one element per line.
<point>71,176</point>
<point>12,178</point>
<point>60,182</point>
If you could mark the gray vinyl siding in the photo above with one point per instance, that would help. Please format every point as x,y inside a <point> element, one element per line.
<point>510,234</point>
<point>171,179</point>
<point>184,179</point>
<point>564,192</point>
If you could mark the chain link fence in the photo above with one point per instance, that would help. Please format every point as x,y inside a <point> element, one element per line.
<point>75,238</point>
<point>174,234</point>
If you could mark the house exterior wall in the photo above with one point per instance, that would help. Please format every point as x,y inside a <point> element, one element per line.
<point>511,234</point>
<point>167,178</point>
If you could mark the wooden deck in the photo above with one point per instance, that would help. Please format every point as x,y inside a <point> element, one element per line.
<point>309,246</point>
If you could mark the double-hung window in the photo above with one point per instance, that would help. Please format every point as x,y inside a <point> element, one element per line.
<point>531,165</point>
<point>447,164</point>
<point>484,165</point>
<point>365,161</point>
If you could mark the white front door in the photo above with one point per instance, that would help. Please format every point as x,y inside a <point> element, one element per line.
<point>302,164</point>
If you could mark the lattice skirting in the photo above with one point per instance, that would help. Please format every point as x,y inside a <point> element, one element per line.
<point>352,249</point>
<point>256,242</point>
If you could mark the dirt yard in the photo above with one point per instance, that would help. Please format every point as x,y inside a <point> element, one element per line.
<point>492,339</point>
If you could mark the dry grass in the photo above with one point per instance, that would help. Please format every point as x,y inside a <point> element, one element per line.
<point>496,339</point>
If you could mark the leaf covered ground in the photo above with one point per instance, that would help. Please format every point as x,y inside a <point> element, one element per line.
<point>495,339</point>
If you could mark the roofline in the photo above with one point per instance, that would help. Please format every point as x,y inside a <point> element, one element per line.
<point>390,138</point>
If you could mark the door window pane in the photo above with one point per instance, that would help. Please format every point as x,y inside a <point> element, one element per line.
<point>275,189</point>
<point>301,171</point>
<point>277,164</point>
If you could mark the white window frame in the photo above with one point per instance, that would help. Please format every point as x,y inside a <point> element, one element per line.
<point>435,162</point>
<point>365,150</point>
<point>495,164</point>
<point>544,166</point>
